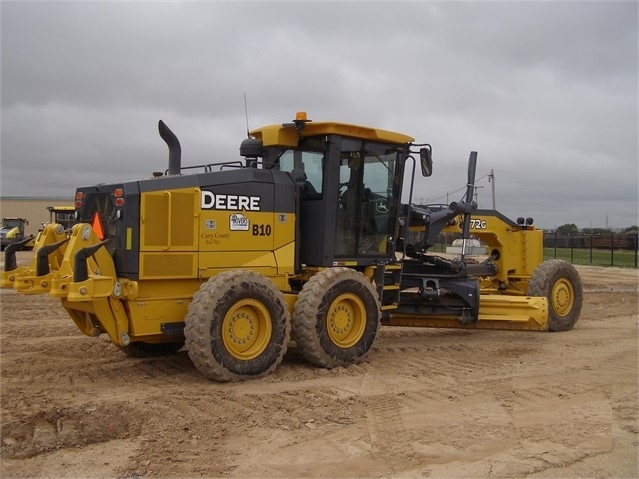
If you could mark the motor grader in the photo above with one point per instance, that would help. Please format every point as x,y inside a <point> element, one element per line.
<point>304,239</point>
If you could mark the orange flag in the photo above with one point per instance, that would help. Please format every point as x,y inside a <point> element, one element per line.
<point>97,226</point>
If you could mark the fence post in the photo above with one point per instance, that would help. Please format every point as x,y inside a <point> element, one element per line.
<point>572,247</point>
<point>591,247</point>
<point>555,244</point>
<point>612,249</point>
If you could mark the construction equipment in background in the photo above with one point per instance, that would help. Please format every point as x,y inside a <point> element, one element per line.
<point>12,232</point>
<point>63,215</point>
<point>305,239</point>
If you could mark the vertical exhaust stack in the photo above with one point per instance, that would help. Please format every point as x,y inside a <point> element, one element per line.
<point>175,150</point>
<point>468,202</point>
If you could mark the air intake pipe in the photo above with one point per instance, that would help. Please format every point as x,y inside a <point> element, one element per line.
<point>175,150</point>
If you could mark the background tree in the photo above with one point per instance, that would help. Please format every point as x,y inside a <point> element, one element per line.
<point>568,229</point>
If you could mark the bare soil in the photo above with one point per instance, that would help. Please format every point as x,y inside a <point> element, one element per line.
<point>425,403</point>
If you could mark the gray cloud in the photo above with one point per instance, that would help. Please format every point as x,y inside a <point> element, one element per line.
<point>545,91</point>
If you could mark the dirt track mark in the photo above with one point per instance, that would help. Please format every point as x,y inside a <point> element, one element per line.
<point>56,428</point>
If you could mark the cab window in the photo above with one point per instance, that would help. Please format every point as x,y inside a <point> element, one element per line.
<point>306,167</point>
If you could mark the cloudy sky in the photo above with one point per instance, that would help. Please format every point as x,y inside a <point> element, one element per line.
<point>546,92</point>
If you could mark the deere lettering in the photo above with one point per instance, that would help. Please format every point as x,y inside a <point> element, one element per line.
<point>212,201</point>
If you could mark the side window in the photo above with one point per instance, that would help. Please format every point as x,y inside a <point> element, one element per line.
<point>313,169</point>
<point>305,165</point>
<point>286,161</point>
<point>379,171</point>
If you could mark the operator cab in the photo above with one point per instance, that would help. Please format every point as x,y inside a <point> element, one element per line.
<point>349,187</point>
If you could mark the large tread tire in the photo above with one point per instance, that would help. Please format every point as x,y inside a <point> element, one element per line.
<point>151,350</point>
<point>237,326</point>
<point>336,318</point>
<point>559,282</point>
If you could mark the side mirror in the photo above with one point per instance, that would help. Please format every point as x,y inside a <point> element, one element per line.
<point>426,159</point>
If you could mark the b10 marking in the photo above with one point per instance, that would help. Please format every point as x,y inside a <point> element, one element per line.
<point>477,224</point>
<point>261,230</point>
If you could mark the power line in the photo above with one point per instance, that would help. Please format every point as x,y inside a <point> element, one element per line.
<point>439,199</point>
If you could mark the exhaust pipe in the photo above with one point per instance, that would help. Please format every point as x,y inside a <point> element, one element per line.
<point>175,151</point>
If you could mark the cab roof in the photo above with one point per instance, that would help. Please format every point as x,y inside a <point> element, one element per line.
<point>287,134</point>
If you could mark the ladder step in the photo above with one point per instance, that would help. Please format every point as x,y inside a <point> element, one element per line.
<point>390,267</point>
<point>390,289</point>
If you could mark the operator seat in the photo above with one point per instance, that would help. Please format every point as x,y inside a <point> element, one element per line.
<point>307,190</point>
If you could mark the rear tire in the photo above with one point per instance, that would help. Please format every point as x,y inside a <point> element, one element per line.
<point>336,318</point>
<point>559,282</point>
<point>237,326</point>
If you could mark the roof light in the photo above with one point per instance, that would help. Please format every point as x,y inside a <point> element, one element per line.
<point>301,116</point>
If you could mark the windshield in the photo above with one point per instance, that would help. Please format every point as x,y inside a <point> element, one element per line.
<point>9,223</point>
<point>378,162</point>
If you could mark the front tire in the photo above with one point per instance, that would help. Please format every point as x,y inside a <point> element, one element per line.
<point>559,282</point>
<point>336,318</point>
<point>237,326</point>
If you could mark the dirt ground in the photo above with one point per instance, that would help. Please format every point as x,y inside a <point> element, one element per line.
<point>425,403</point>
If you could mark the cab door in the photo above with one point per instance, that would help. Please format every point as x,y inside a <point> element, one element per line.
<point>367,199</point>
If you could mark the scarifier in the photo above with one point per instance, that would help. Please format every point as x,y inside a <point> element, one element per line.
<point>305,239</point>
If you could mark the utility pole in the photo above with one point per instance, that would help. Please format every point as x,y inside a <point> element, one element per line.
<point>491,180</point>
<point>476,194</point>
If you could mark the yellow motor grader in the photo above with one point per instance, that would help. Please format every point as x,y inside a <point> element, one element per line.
<point>304,238</point>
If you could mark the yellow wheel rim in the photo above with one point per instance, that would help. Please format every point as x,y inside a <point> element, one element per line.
<point>246,329</point>
<point>346,320</point>
<point>563,297</point>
